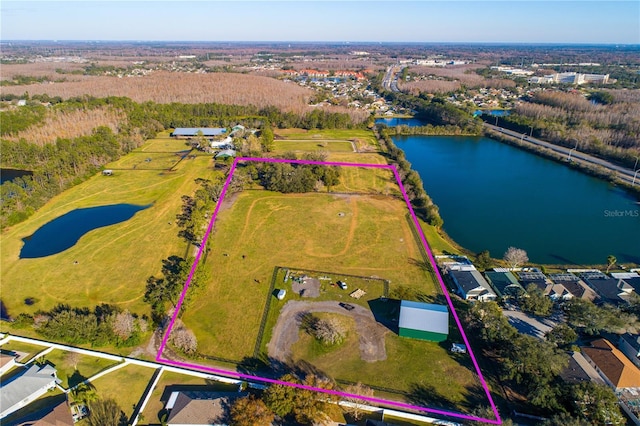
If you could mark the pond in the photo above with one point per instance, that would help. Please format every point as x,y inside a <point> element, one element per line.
<point>7,175</point>
<point>398,121</point>
<point>64,231</point>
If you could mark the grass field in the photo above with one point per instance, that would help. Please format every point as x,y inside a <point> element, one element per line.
<point>364,139</point>
<point>71,374</point>
<point>371,238</point>
<point>306,146</point>
<point>113,262</point>
<point>124,385</point>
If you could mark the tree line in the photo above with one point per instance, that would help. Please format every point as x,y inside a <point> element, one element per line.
<point>69,161</point>
<point>422,204</point>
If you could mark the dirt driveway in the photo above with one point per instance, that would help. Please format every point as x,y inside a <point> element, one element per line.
<point>285,333</point>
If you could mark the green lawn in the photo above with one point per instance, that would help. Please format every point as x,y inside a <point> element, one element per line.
<point>365,139</point>
<point>413,366</point>
<point>370,238</point>
<point>73,371</point>
<point>113,262</point>
<point>170,382</point>
<point>125,385</point>
<point>320,145</point>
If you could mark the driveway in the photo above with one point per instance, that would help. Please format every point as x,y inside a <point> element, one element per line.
<point>527,324</point>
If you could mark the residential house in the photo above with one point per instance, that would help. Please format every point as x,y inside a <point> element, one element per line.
<point>614,367</point>
<point>504,283</point>
<point>57,414</point>
<point>574,285</point>
<point>26,387</point>
<point>629,278</point>
<point>7,361</point>
<point>608,289</point>
<point>200,408</point>
<point>470,283</point>
<point>629,344</point>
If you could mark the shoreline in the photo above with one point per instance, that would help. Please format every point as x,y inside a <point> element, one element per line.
<point>545,266</point>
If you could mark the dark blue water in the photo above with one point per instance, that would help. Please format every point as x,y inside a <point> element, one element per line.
<point>65,231</point>
<point>11,174</point>
<point>492,196</point>
<point>411,122</point>
<point>493,112</point>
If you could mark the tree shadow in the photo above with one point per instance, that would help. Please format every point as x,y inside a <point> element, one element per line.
<point>76,378</point>
<point>386,312</point>
<point>4,314</point>
<point>426,395</point>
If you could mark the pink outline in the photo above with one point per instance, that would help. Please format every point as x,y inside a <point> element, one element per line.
<point>159,358</point>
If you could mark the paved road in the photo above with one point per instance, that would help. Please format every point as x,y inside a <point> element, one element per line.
<point>622,172</point>
<point>526,324</point>
<point>390,80</point>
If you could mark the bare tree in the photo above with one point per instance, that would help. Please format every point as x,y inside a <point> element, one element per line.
<point>184,339</point>
<point>328,331</point>
<point>356,405</point>
<point>515,257</point>
<point>611,260</point>
<point>124,325</point>
<point>72,358</point>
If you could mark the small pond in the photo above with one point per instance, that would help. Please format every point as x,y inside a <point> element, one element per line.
<point>64,231</point>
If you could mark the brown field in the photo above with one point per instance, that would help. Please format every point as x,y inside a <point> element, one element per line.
<point>70,124</point>
<point>429,86</point>
<point>464,74</point>
<point>165,87</point>
<point>40,69</point>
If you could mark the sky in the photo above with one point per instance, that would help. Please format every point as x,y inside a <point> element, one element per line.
<point>511,21</point>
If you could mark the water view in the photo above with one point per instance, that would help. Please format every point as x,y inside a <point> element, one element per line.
<point>492,196</point>
<point>7,175</point>
<point>65,231</point>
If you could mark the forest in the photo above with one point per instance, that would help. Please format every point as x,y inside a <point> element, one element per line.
<point>58,163</point>
<point>605,124</point>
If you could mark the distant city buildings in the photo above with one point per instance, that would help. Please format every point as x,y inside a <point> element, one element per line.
<point>571,78</point>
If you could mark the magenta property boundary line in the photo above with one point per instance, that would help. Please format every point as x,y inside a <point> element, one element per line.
<point>249,377</point>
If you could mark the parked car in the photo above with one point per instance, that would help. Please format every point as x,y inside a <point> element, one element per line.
<point>342,285</point>
<point>347,306</point>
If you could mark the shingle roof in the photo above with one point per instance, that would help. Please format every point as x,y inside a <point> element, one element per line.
<point>614,364</point>
<point>196,408</point>
<point>26,384</point>
<point>55,415</point>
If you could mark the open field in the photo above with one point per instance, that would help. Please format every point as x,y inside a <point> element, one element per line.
<point>111,386</point>
<point>72,374</point>
<point>364,139</point>
<point>262,230</point>
<point>113,262</point>
<point>307,146</point>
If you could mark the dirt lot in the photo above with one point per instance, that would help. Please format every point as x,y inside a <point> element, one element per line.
<point>310,287</point>
<point>285,333</point>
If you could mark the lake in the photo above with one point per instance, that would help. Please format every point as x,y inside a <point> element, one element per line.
<point>397,121</point>
<point>64,231</point>
<point>492,196</point>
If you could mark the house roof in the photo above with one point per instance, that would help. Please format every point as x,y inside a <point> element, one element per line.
<point>226,153</point>
<point>424,316</point>
<point>26,384</point>
<point>503,282</point>
<point>606,287</point>
<point>202,408</point>
<point>471,280</point>
<point>632,340</point>
<point>6,358</point>
<point>193,131</point>
<point>55,415</point>
<point>574,285</point>
<point>614,364</point>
